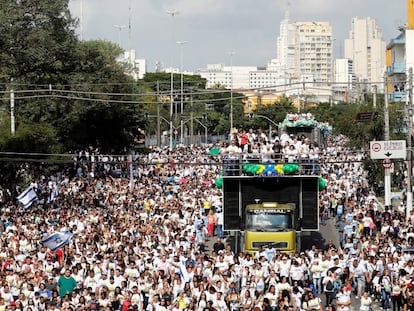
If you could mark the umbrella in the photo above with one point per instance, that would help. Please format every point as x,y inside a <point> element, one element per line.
<point>336,269</point>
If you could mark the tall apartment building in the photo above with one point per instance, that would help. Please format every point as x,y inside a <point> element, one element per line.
<point>285,49</point>
<point>366,48</point>
<point>304,49</point>
<point>313,51</point>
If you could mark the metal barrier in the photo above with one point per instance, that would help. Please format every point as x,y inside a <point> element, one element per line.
<point>233,164</point>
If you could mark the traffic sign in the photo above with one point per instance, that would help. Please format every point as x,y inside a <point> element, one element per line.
<point>387,163</point>
<point>389,149</point>
<point>366,116</point>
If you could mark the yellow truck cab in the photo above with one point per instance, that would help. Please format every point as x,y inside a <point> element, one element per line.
<point>270,224</point>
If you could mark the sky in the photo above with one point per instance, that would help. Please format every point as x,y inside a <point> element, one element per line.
<point>237,32</point>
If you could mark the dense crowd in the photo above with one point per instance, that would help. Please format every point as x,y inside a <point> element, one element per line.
<point>156,241</point>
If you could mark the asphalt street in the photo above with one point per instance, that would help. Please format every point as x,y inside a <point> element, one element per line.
<point>319,238</point>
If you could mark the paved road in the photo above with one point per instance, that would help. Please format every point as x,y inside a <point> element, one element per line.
<point>326,233</point>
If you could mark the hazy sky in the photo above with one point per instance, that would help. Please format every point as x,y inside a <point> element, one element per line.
<point>213,28</point>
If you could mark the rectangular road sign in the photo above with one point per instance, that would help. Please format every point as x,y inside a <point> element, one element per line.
<point>366,116</point>
<point>388,149</point>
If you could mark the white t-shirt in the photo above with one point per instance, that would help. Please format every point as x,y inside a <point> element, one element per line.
<point>365,303</point>
<point>343,298</point>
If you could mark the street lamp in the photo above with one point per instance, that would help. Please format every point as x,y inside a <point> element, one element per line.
<point>81,19</point>
<point>148,116</point>
<point>268,119</point>
<point>181,43</point>
<point>119,27</point>
<point>231,53</point>
<point>199,122</point>
<point>172,13</point>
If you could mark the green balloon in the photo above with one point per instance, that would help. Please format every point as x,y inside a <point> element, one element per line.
<point>219,182</point>
<point>322,183</point>
<point>290,168</point>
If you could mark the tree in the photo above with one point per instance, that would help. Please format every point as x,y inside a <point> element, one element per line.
<point>37,41</point>
<point>97,115</point>
<point>21,152</point>
<point>62,82</point>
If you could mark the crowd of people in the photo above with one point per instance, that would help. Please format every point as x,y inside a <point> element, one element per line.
<point>155,242</point>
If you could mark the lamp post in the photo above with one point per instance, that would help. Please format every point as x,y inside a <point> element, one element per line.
<point>159,119</point>
<point>172,13</point>
<point>270,124</point>
<point>231,53</point>
<point>12,116</point>
<point>181,43</point>
<point>204,126</point>
<point>387,173</point>
<point>409,203</point>
<point>81,20</point>
<point>119,27</point>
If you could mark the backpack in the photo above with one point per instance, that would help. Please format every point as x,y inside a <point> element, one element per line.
<point>329,286</point>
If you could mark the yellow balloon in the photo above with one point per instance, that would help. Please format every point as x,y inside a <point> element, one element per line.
<point>279,168</point>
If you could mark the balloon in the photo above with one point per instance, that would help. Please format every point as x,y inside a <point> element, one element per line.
<point>290,168</point>
<point>322,183</point>
<point>269,169</point>
<point>260,169</point>
<point>219,182</point>
<point>279,169</point>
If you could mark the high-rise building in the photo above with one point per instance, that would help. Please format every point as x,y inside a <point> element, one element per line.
<point>313,55</point>
<point>285,50</point>
<point>304,49</point>
<point>366,48</point>
<point>344,79</point>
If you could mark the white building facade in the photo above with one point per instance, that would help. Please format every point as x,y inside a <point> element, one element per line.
<point>366,48</point>
<point>136,68</point>
<point>314,51</point>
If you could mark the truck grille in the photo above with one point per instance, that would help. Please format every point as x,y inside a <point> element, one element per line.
<point>277,245</point>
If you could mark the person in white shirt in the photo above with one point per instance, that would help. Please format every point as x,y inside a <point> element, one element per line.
<point>343,299</point>
<point>316,271</point>
<point>366,302</point>
<point>219,304</point>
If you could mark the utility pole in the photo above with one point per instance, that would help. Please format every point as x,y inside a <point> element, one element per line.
<point>387,175</point>
<point>158,115</point>
<point>12,117</point>
<point>181,43</point>
<point>231,53</point>
<point>374,97</point>
<point>191,118</point>
<point>410,154</point>
<point>172,13</point>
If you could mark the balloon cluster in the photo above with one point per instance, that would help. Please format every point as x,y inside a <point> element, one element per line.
<point>271,169</point>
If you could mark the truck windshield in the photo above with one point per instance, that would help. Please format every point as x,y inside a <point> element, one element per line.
<point>268,221</point>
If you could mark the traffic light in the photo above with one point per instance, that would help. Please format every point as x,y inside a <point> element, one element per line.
<point>251,116</point>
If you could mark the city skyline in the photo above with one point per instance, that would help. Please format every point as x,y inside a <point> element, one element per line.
<point>214,28</point>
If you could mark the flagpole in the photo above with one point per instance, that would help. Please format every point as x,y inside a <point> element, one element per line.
<point>131,173</point>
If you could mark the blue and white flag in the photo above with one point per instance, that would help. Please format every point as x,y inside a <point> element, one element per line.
<point>57,240</point>
<point>27,197</point>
